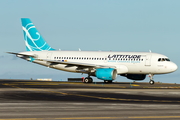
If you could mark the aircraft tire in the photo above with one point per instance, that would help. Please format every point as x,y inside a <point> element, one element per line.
<point>107,81</point>
<point>88,80</point>
<point>151,82</point>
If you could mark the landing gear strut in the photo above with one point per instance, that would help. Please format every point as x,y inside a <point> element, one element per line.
<point>151,82</point>
<point>88,80</point>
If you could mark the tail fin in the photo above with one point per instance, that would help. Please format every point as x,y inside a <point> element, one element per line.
<point>33,39</point>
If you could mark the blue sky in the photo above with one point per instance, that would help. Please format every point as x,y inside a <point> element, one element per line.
<point>117,25</point>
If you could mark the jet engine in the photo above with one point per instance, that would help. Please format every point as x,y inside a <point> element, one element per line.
<point>106,73</point>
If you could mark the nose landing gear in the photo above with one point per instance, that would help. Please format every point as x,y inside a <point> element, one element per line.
<point>151,82</point>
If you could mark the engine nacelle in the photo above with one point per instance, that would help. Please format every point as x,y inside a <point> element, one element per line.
<point>135,76</point>
<point>106,73</point>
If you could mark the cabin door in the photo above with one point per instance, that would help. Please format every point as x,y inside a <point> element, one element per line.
<point>148,60</point>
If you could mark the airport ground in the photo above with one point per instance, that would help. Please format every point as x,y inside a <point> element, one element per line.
<point>48,100</point>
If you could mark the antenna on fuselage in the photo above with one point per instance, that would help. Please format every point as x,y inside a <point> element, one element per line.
<point>150,51</point>
<point>79,49</point>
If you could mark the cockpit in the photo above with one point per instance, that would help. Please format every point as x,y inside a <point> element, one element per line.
<point>163,59</point>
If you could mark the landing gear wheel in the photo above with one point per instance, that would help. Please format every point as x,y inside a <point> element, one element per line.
<point>107,81</point>
<point>88,80</point>
<point>151,82</point>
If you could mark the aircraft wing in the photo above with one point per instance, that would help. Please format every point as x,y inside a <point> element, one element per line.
<point>85,65</point>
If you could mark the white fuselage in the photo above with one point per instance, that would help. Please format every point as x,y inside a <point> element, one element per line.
<point>123,62</point>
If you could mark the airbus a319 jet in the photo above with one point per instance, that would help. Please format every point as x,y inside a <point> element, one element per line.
<point>103,65</point>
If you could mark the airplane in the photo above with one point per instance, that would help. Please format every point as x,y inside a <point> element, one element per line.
<point>103,65</point>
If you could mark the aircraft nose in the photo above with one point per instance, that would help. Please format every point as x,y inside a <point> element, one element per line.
<point>173,67</point>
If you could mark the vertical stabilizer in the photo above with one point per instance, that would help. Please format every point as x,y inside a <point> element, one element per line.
<point>33,39</point>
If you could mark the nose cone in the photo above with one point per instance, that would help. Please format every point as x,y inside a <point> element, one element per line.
<point>173,67</point>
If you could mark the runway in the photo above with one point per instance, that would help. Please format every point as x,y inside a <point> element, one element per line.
<point>40,100</point>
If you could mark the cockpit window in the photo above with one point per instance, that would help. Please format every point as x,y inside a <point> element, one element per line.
<point>167,59</point>
<point>163,59</point>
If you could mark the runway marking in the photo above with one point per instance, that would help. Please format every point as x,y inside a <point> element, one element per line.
<point>58,83</point>
<point>96,97</point>
<point>35,84</point>
<point>155,117</point>
<point>134,85</point>
<point>95,118</point>
<point>175,87</point>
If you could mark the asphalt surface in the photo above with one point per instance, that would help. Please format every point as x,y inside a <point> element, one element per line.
<point>41,100</point>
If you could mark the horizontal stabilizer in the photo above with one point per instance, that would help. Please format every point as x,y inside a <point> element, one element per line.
<point>20,54</point>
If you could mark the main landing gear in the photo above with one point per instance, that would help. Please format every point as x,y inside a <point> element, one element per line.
<point>88,80</point>
<point>107,81</point>
<point>151,82</point>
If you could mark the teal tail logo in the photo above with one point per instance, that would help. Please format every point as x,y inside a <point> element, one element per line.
<point>33,40</point>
